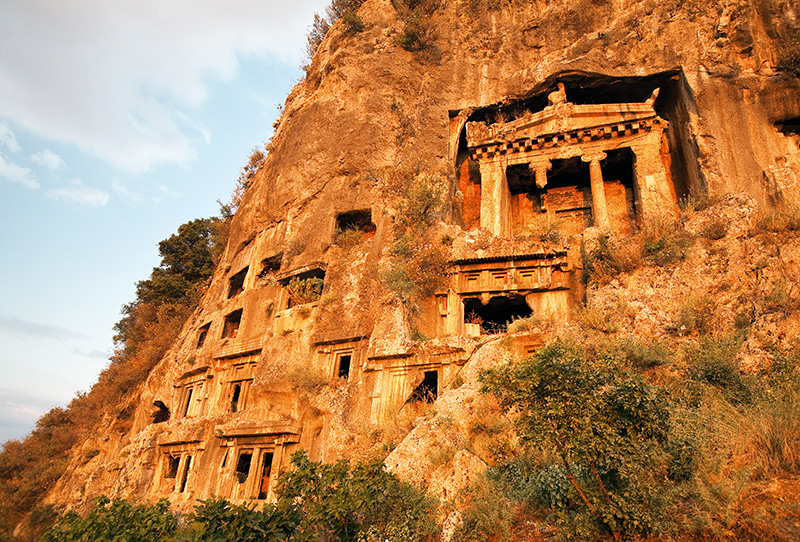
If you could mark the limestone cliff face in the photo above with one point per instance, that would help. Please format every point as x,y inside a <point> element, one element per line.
<point>263,368</point>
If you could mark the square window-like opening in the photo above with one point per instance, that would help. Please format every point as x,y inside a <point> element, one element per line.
<point>354,227</point>
<point>343,365</point>
<point>232,323</point>
<point>270,265</point>
<point>428,389</point>
<point>304,288</point>
<point>201,336</point>
<point>243,466</point>
<point>171,466</point>
<point>236,283</point>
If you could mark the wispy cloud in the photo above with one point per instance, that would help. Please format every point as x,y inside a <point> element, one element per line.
<point>48,159</point>
<point>79,193</point>
<point>17,326</point>
<point>17,174</point>
<point>8,139</point>
<point>94,354</point>
<point>123,80</point>
<point>123,192</point>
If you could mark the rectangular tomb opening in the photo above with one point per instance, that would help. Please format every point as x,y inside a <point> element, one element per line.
<point>187,465</point>
<point>495,315</point>
<point>243,465</point>
<point>231,326</point>
<point>171,466</point>
<point>302,287</point>
<point>354,227</point>
<point>266,472</point>
<point>236,283</point>
<point>343,365</point>
<point>270,265</point>
<point>202,334</point>
<point>428,390</point>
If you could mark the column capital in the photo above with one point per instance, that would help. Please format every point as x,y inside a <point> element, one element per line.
<point>594,156</point>
<point>540,168</point>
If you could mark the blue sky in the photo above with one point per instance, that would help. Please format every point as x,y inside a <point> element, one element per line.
<point>119,121</point>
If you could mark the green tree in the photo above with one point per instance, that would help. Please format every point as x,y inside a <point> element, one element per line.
<point>340,502</point>
<point>605,424</point>
<point>116,521</point>
<point>218,520</point>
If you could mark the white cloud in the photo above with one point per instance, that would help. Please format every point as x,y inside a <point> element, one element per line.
<point>16,173</point>
<point>48,159</point>
<point>123,192</point>
<point>79,193</point>
<point>7,138</point>
<point>119,79</point>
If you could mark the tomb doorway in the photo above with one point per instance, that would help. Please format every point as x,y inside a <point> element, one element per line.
<point>495,315</point>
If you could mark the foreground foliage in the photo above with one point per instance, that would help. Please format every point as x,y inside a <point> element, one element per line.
<point>606,426</point>
<point>623,439</point>
<point>316,503</point>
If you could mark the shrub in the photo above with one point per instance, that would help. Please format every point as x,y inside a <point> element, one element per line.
<point>781,218</point>
<point>115,521</point>
<point>643,355</point>
<point>337,9</point>
<point>427,268</point>
<point>713,361</point>
<point>420,205</point>
<point>520,324</point>
<point>216,519</point>
<point>353,24</point>
<point>487,515</point>
<point>359,502</point>
<point>593,318</point>
<point>665,242</point>
<point>304,290</point>
<point>349,237</point>
<point>714,229</point>
<point>418,267</point>
<point>695,314</point>
<point>597,417</point>
<point>610,257</point>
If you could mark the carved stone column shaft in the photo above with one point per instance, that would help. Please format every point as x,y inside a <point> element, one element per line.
<point>599,206</point>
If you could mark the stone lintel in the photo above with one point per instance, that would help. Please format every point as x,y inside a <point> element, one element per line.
<point>271,430</point>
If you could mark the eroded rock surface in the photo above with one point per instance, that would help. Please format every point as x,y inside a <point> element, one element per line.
<point>539,121</point>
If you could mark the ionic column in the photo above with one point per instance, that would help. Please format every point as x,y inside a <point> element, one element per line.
<point>599,207</point>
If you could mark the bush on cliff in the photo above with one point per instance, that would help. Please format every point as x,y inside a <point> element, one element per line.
<point>606,427</point>
<point>317,502</point>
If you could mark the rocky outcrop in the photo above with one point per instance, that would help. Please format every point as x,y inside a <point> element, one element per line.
<point>299,342</point>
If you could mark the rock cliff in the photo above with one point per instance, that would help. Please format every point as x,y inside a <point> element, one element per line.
<point>414,201</point>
